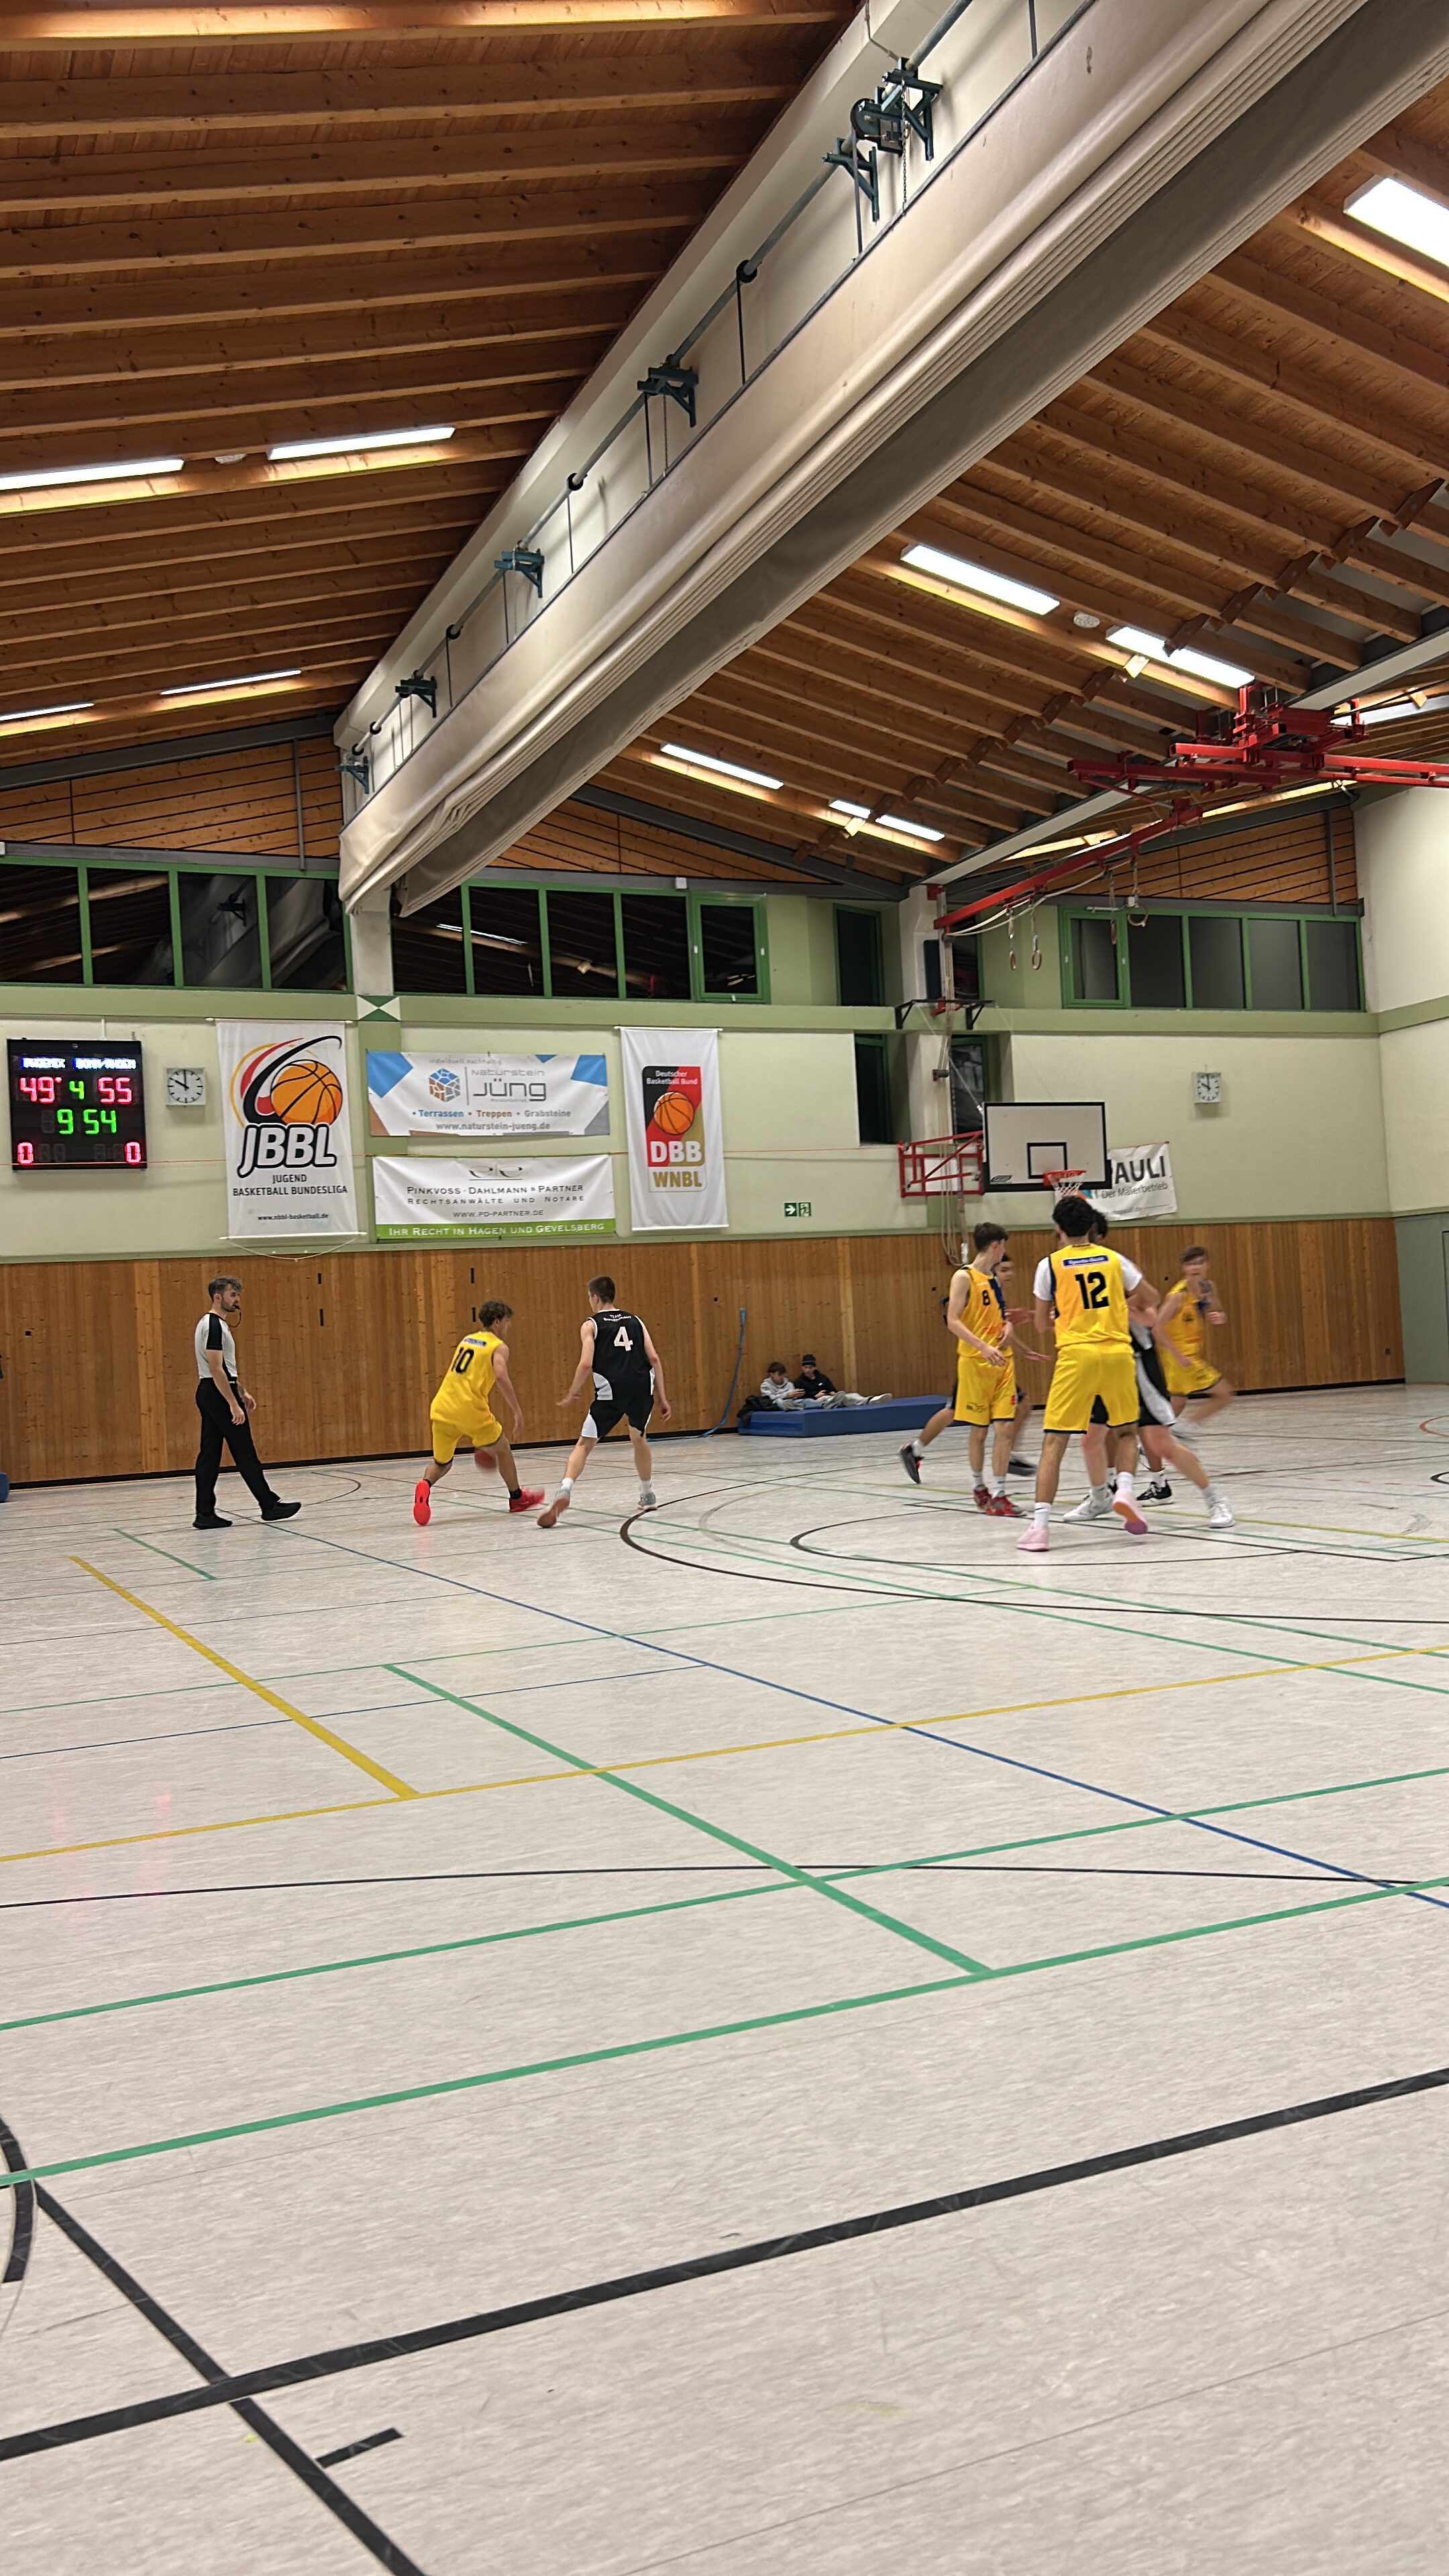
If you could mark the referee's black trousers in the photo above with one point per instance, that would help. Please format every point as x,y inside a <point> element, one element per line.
<point>218,1430</point>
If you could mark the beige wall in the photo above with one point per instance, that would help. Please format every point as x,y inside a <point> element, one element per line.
<point>788,1099</point>
<point>1403,868</point>
<point>1300,1131</point>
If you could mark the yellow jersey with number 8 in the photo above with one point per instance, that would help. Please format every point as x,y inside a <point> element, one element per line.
<point>982,1312</point>
<point>1089,1296</point>
<point>465,1392</point>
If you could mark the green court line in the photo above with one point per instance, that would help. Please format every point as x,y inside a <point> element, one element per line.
<point>734,1895</point>
<point>163,1551</point>
<point>682,2039</point>
<point>715,1833</point>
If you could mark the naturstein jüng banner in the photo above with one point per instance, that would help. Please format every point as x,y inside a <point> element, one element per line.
<point>285,1128</point>
<point>487,1095</point>
<point>672,1119</point>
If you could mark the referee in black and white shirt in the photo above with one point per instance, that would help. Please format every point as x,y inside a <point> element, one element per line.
<point>225,1409</point>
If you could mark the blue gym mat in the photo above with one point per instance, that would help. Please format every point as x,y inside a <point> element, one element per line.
<point>903,1413</point>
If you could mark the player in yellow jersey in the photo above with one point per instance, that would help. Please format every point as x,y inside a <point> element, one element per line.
<point>1086,1290</point>
<point>1186,1311</point>
<point>985,1376</point>
<point>462,1413</point>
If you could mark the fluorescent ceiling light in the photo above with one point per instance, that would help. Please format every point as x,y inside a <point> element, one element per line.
<point>53,474</point>
<point>970,576</point>
<point>248,680</point>
<point>891,822</point>
<point>28,715</point>
<point>358,443</point>
<point>726,768</point>
<point>1203,666</point>
<point>1387,206</point>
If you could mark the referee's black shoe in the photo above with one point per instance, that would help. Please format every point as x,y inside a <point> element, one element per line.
<point>214,1522</point>
<point>280,1511</point>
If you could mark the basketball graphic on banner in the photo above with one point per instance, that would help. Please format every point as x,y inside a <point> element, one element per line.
<point>676,1160</point>
<point>674,1115</point>
<point>306,1091</point>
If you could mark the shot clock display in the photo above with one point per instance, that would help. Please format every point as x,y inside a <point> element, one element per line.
<point>76,1107</point>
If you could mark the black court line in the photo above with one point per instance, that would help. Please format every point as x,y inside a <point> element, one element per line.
<point>226,2392</point>
<point>22,2224</point>
<point>691,1869</point>
<point>239,2391</point>
<point>354,2450</point>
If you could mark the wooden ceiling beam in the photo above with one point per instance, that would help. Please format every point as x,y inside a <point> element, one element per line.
<point>392,581</point>
<point>1281,670</point>
<point>255,349</point>
<point>716,68</point>
<point>1187,407</point>
<point>779,815</point>
<point>36,184</point>
<point>942,742</point>
<point>327,286</point>
<point>1190,478</point>
<point>474,411</point>
<point>251,645</point>
<point>91,504</point>
<point>95,29</point>
<point>864,748</point>
<point>121,720</point>
<point>1140,580</point>
<point>86,576</point>
<point>1262,370</point>
<point>1403,156</point>
<point>176,415</point>
<point>105,591</point>
<point>273,514</point>
<point>1341,326</point>
<point>807,786</point>
<point>346,232</point>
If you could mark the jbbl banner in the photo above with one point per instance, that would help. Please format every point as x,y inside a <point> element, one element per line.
<point>425,1200</point>
<point>671,1110</point>
<point>285,1129</point>
<point>487,1095</point>
<point>1140,1183</point>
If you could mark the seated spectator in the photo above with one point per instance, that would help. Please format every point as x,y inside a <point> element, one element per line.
<point>812,1381</point>
<point>777,1388</point>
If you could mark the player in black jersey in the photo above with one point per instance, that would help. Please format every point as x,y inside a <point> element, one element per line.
<point>617,1355</point>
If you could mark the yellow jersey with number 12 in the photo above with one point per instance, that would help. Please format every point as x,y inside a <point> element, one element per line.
<point>1089,1295</point>
<point>465,1392</point>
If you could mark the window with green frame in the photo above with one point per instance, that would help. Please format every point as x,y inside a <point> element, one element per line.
<point>586,943</point>
<point>107,921</point>
<point>1265,960</point>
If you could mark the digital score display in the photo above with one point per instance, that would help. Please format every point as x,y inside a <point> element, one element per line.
<point>76,1108</point>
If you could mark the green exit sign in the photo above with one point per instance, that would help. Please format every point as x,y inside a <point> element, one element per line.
<point>797,1207</point>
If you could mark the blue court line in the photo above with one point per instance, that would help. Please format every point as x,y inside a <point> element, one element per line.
<point>842,1708</point>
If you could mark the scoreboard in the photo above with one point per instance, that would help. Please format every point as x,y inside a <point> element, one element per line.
<point>76,1107</point>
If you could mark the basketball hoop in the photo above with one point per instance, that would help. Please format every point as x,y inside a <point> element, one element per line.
<point>1063,1184</point>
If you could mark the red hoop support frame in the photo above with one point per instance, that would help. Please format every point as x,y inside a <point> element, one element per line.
<point>941,1167</point>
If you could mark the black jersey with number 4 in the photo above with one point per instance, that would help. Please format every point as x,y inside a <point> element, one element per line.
<point>622,1374</point>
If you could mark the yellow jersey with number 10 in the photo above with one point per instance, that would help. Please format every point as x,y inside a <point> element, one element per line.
<point>1089,1295</point>
<point>465,1391</point>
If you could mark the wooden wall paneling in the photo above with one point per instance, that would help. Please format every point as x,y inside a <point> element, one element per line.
<point>344,1349</point>
<point>245,801</point>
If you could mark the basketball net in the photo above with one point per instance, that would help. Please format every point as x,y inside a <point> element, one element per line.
<point>1063,1184</point>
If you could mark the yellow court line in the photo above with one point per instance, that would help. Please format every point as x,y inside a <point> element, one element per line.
<point>878,1727</point>
<point>1339,1529</point>
<point>324,1735</point>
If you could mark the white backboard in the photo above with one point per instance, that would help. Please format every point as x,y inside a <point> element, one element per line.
<point>1025,1139</point>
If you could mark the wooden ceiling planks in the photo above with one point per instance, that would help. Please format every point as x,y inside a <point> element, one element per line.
<point>1257,472</point>
<point>221,229</point>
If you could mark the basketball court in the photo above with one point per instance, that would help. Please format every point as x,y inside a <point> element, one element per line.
<point>900,1960</point>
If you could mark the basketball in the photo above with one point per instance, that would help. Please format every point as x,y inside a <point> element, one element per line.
<point>483,1459</point>
<point>306,1094</point>
<point>674,1115</point>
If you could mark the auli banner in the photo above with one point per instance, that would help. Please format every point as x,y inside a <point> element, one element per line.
<point>423,1199</point>
<point>487,1095</point>
<point>1140,1183</point>
<point>285,1128</point>
<point>671,1116</point>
